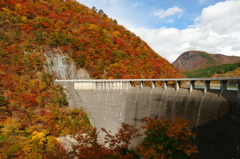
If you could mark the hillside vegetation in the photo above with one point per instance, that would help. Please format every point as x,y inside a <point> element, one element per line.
<point>33,110</point>
<point>31,29</point>
<point>219,71</point>
<point>233,73</point>
<point>96,43</point>
<point>195,60</point>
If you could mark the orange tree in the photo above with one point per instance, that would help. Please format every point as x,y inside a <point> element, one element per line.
<point>4,111</point>
<point>117,146</point>
<point>164,139</point>
<point>167,139</point>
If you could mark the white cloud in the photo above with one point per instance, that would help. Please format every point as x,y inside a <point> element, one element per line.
<point>135,4</point>
<point>224,17</point>
<point>169,12</point>
<point>170,21</point>
<point>216,30</point>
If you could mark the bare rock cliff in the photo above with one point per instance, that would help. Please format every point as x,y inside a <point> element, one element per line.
<point>63,66</point>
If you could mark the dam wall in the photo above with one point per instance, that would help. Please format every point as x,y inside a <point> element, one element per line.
<point>214,114</point>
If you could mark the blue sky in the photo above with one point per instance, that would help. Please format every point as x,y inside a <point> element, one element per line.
<point>172,27</point>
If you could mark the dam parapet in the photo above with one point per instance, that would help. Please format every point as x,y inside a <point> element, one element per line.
<point>91,84</point>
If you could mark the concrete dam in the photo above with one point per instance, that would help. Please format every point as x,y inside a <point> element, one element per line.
<point>214,114</point>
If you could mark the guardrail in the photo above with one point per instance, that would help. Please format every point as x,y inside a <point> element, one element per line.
<point>89,82</point>
<point>161,79</point>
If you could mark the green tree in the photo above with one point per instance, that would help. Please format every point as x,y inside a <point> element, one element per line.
<point>81,61</point>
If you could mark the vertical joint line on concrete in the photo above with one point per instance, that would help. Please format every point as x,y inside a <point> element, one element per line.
<point>94,85</point>
<point>192,85</point>
<point>206,86</point>
<point>165,84</point>
<point>73,85</point>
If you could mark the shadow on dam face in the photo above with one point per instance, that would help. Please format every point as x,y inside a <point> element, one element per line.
<point>214,115</point>
<point>218,132</point>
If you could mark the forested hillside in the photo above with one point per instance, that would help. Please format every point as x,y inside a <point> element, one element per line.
<point>33,110</point>
<point>219,71</point>
<point>194,60</point>
<point>96,42</point>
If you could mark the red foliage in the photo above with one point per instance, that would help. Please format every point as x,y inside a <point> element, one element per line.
<point>32,29</point>
<point>45,24</point>
<point>117,145</point>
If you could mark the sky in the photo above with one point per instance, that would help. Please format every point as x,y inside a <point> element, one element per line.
<point>171,27</point>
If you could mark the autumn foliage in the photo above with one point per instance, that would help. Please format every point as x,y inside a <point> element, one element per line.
<point>163,139</point>
<point>115,146</point>
<point>34,110</point>
<point>167,139</point>
<point>95,41</point>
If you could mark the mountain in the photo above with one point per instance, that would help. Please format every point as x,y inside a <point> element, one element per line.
<point>194,60</point>
<point>41,40</point>
<point>48,39</point>
<point>225,70</point>
<point>89,37</point>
